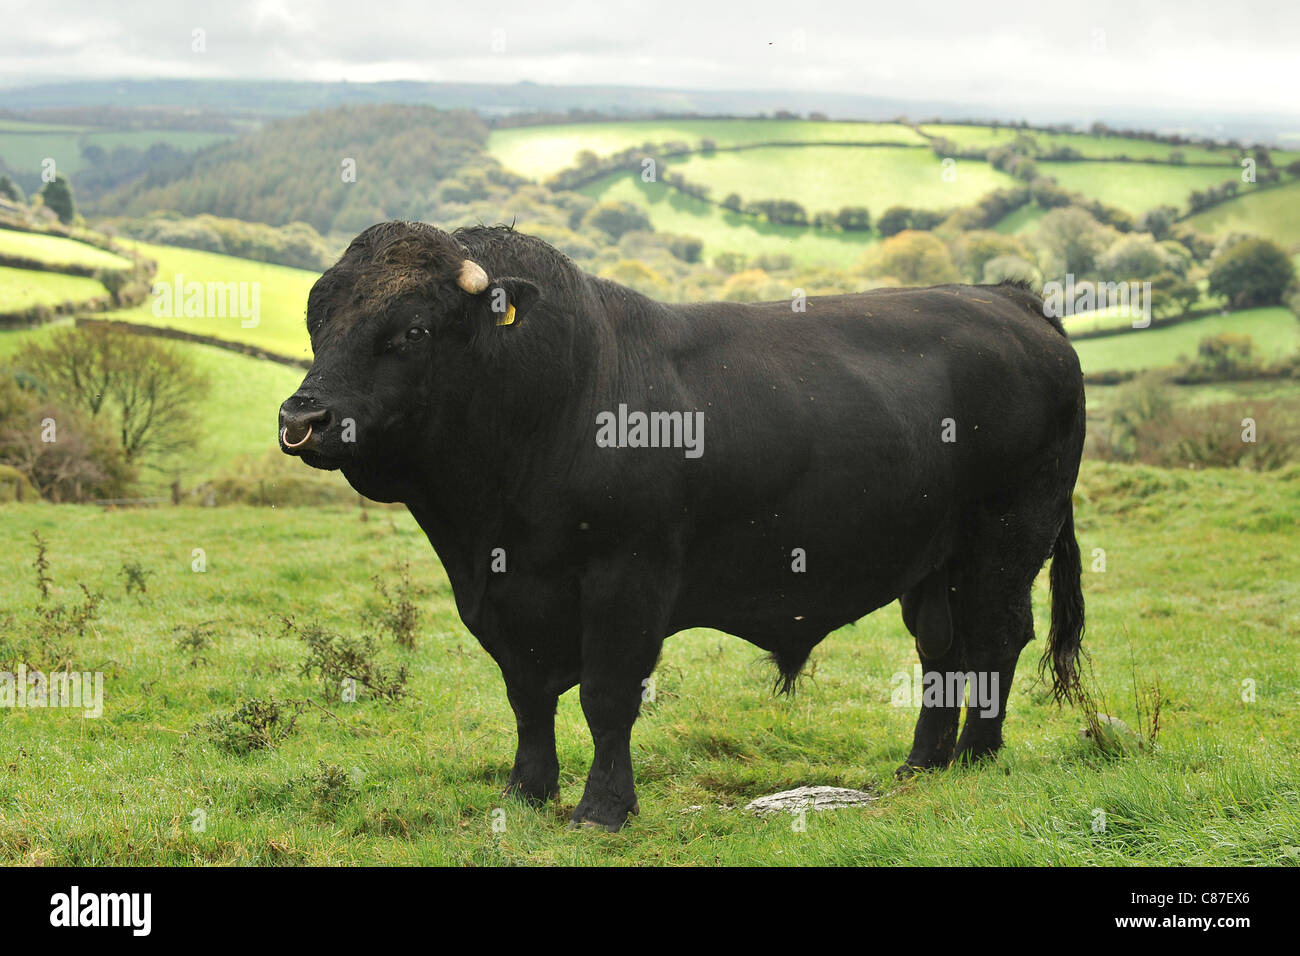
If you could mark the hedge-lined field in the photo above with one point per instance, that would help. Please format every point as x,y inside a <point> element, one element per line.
<point>58,251</point>
<point>24,288</point>
<point>539,151</point>
<point>1275,333</point>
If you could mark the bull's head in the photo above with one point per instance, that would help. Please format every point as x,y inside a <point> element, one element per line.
<point>397,326</point>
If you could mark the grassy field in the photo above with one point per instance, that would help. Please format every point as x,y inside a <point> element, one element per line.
<point>1199,594</point>
<point>23,288</point>
<point>58,251</point>
<point>282,294</point>
<point>672,211</point>
<point>539,151</point>
<point>1273,213</point>
<point>830,177</point>
<point>1093,147</point>
<point>1137,187</point>
<point>1275,332</point>
<point>25,146</point>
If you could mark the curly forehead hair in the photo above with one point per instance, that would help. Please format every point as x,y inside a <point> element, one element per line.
<point>387,260</point>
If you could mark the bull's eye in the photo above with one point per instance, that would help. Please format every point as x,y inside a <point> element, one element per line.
<point>415,333</point>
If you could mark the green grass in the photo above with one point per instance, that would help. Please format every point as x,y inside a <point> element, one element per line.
<point>671,211</point>
<point>539,151</point>
<point>1200,594</point>
<point>1137,187</point>
<point>1275,332</point>
<point>282,294</point>
<point>1093,147</point>
<point>25,146</point>
<point>1272,213</point>
<point>58,250</point>
<point>23,288</point>
<point>830,177</point>
<point>1021,221</point>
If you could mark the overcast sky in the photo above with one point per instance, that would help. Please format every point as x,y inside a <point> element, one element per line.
<point>1153,53</point>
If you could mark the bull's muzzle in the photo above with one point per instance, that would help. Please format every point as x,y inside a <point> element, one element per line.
<point>300,418</point>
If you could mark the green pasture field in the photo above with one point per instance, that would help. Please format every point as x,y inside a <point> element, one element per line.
<point>1093,147</point>
<point>1199,597</point>
<point>1273,213</point>
<point>1020,221</point>
<point>25,146</point>
<point>539,151</point>
<point>23,288</point>
<point>724,231</point>
<point>1274,331</point>
<point>282,295</point>
<point>57,250</point>
<point>1137,187</point>
<point>830,177</point>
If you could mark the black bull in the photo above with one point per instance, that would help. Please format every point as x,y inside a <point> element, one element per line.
<point>913,443</point>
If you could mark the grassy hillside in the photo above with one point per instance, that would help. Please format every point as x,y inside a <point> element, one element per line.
<point>417,781</point>
<point>339,170</point>
<point>58,251</point>
<point>723,231</point>
<point>1274,213</point>
<point>539,151</point>
<point>1138,187</point>
<point>23,288</point>
<point>282,292</point>
<point>1093,147</point>
<point>830,177</point>
<point>25,146</point>
<point>1275,332</point>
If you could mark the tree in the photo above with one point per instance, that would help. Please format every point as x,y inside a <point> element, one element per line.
<point>1072,240</point>
<point>913,258</point>
<point>57,196</point>
<point>853,219</point>
<point>894,221</point>
<point>10,190</point>
<point>1250,273</point>
<point>145,389</point>
<point>1158,221</point>
<point>616,218</point>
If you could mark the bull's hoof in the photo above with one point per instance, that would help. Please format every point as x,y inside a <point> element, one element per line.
<point>593,816</point>
<point>911,769</point>
<point>532,794</point>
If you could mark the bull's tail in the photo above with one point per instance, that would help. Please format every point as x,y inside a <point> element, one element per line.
<point>1066,634</point>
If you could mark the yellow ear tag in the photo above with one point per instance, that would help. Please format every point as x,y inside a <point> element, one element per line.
<point>508,318</point>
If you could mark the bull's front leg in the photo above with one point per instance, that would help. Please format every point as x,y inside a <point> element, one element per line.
<point>625,607</point>
<point>535,775</point>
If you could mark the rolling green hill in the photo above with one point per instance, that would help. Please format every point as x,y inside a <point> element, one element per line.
<point>539,151</point>
<point>1093,147</point>
<point>723,231</point>
<point>1275,332</point>
<point>58,251</point>
<point>1137,187</point>
<point>25,146</point>
<point>830,177</point>
<point>1273,213</point>
<point>282,294</point>
<point>23,288</point>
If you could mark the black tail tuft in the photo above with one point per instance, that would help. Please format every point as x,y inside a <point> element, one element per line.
<point>1066,634</point>
<point>788,666</point>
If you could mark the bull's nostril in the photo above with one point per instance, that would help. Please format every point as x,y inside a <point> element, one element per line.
<point>297,427</point>
<point>288,443</point>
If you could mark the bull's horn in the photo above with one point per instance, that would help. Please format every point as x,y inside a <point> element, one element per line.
<point>472,278</point>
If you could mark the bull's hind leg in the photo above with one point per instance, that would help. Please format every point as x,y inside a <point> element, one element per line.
<point>993,611</point>
<point>927,614</point>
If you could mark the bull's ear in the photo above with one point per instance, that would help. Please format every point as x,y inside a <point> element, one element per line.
<point>509,299</point>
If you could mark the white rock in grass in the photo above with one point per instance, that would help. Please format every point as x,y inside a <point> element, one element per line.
<point>810,798</point>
